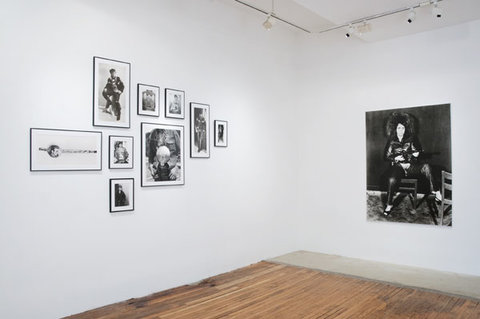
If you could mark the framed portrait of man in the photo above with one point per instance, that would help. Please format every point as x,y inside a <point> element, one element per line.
<point>148,100</point>
<point>111,93</point>
<point>174,103</point>
<point>120,152</point>
<point>122,194</point>
<point>163,161</point>
<point>199,130</point>
<point>220,132</point>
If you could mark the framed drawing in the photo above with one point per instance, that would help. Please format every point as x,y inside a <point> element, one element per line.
<point>199,130</point>
<point>122,193</point>
<point>120,152</point>
<point>174,103</point>
<point>221,133</point>
<point>162,155</point>
<point>408,156</point>
<point>148,100</point>
<point>65,150</point>
<point>111,93</point>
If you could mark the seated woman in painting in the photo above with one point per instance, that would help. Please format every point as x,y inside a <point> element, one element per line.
<point>402,151</point>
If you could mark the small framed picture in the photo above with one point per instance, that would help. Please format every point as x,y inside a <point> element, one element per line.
<point>221,133</point>
<point>174,103</point>
<point>199,130</point>
<point>162,155</point>
<point>111,93</point>
<point>65,150</point>
<point>121,194</point>
<point>120,152</point>
<point>148,100</point>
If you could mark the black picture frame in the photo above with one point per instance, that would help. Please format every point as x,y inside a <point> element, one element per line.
<point>122,195</point>
<point>171,100</point>
<point>120,158</point>
<point>199,130</point>
<point>144,100</point>
<point>48,145</point>
<point>161,141</point>
<point>220,132</point>
<point>116,111</point>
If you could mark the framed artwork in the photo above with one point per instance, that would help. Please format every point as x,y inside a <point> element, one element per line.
<point>65,150</point>
<point>174,103</point>
<point>199,130</point>
<point>120,152</point>
<point>162,155</point>
<point>221,133</point>
<point>148,100</point>
<point>408,156</point>
<point>111,93</point>
<point>122,194</point>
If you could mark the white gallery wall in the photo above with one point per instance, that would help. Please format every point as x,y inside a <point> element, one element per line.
<point>61,251</point>
<point>344,79</point>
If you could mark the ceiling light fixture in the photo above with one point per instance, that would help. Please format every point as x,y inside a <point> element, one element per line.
<point>437,11</point>
<point>350,31</point>
<point>411,15</point>
<point>273,17</point>
<point>365,27</point>
<point>269,24</point>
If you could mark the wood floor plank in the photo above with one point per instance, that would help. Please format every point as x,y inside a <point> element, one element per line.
<point>266,290</point>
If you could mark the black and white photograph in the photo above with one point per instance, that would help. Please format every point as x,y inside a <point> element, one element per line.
<point>65,150</point>
<point>409,165</point>
<point>148,100</point>
<point>111,93</point>
<point>120,152</point>
<point>221,133</point>
<point>199,130</point>
<point>121,194</point>
<point>174,103</point>
<point>162,155</point>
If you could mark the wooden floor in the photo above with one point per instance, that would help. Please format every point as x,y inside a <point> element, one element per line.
<point>266,290</point>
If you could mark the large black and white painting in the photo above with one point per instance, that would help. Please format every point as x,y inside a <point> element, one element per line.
<point>162,155</point>
<point>65,150</point>
<point>409,165</point>
<point>111,93</point>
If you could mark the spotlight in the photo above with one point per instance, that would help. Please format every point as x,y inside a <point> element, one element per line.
<point>365,27</point>
<point>349,32</point>
<point>437,11</point>
<point>268,24</point>
<point>411,15</point>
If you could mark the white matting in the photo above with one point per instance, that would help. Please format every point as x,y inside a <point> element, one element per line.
<point>438,281</point>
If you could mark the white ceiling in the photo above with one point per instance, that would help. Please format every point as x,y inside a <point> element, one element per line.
<point>318,15</point>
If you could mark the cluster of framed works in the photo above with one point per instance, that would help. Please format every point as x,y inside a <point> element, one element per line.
<point>162,144</point>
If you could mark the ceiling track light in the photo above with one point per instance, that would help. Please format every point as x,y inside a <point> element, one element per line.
<point>437,12</point>
<point>350,31</point>
<point>411,15</point>
<point>268,25</point>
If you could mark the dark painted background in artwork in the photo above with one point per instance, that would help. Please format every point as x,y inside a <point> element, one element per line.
<point>433,131</point>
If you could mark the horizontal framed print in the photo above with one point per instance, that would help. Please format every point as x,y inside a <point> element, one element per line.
<point>199,130</point>
<point>120,152</point>
<point>148,100</point>
<point>221,133</point>
<point>174,103</point>
<point>65,150</point>
<point>111,93</point>
<point>162,155</point>
<point>122,193</point>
